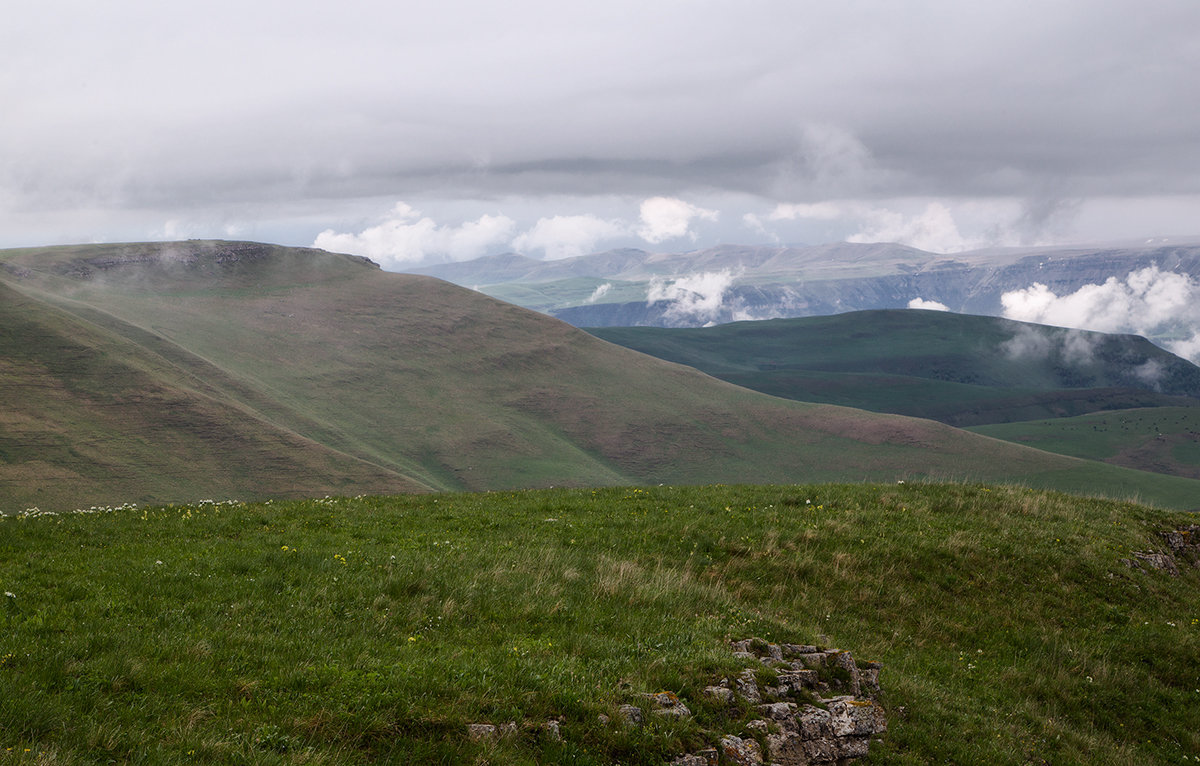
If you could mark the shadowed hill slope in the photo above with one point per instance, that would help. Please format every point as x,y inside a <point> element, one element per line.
<point>957,368</point>
<point>415,383</point>
<point>90,417</point>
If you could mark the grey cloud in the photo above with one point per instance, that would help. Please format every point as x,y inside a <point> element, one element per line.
<point>177,109</point>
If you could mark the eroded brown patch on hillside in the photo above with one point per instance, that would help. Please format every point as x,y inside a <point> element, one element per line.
<point>1155,455</point>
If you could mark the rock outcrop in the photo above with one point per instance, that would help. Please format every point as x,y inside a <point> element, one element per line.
<point>810,706</point>
<point>797,724</point>
<point>1183,547</point>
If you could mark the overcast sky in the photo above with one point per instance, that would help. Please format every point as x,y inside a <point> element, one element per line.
<point>428,131</point>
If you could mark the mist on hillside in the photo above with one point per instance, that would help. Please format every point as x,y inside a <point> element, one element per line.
<point>1159,304</point>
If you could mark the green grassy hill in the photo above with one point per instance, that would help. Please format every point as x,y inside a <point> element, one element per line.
<point>959,369</point>
<point>91,417</point>
<point>237,369</point>
<point>1162,439</point>
<point>374,630</point>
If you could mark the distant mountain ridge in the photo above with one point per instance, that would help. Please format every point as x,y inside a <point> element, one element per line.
<point>634,264</point>
<point>781,282</point>
<point>161,372</point>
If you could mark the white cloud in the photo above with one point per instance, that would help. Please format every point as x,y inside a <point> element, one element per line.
<point>567,236</point>
<point>1150,371</point>
<point>407,238</point>
<point>1032,342</point>
<point>666,218</point>
<point>821,211</point>
<point>943,225</point>
<point>1189,348</point>
<point>473,238</point>
<point>1149,301</point>
<point>921,303</point>
<point>694,297</point>
<point>1143,300</point>
<point>1027,343</point>
<point>599,292</point>
<point>1078,348</point>
<point>924,224</point>
<point>755,224</point>
<point>933,230</point>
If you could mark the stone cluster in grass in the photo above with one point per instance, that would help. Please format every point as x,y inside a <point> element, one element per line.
<point>809,706</point>
<point>1183,545</point>
<point>796,724</point>
<point>488,731</point>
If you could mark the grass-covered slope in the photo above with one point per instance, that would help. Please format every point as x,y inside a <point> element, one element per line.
<point>960,369</point>
<point>374,630</point>
<point>89,416</point>
<point>423,384</point>
<point>1161,439</point>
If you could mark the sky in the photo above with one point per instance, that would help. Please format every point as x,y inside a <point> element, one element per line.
<point>423,132</point>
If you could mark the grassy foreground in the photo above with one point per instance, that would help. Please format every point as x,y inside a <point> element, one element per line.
<point>374,629</point>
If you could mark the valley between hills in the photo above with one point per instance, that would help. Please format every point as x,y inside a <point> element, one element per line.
<point>1116,398</point>
<point>174,372</point>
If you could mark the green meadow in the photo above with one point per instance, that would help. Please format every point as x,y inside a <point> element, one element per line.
<point>374,629</point>
<point>1162,439</point>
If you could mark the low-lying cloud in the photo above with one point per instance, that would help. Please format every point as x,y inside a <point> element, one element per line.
<point>1074,347</point>
<point>1161,305</point>
<point>567,236</point>
<point>930,225</point>
<point>921,303</point>
<point>1031,342</point>
<point>1028,343</point>
<point>407,238</point>
<point>933,230</point>
<point>694,298</point>
<point>599,292</point>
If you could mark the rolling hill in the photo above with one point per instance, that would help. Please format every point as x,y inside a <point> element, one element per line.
<point>180,371</point>
<point>959,369</point>
<point>1161,439</point>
